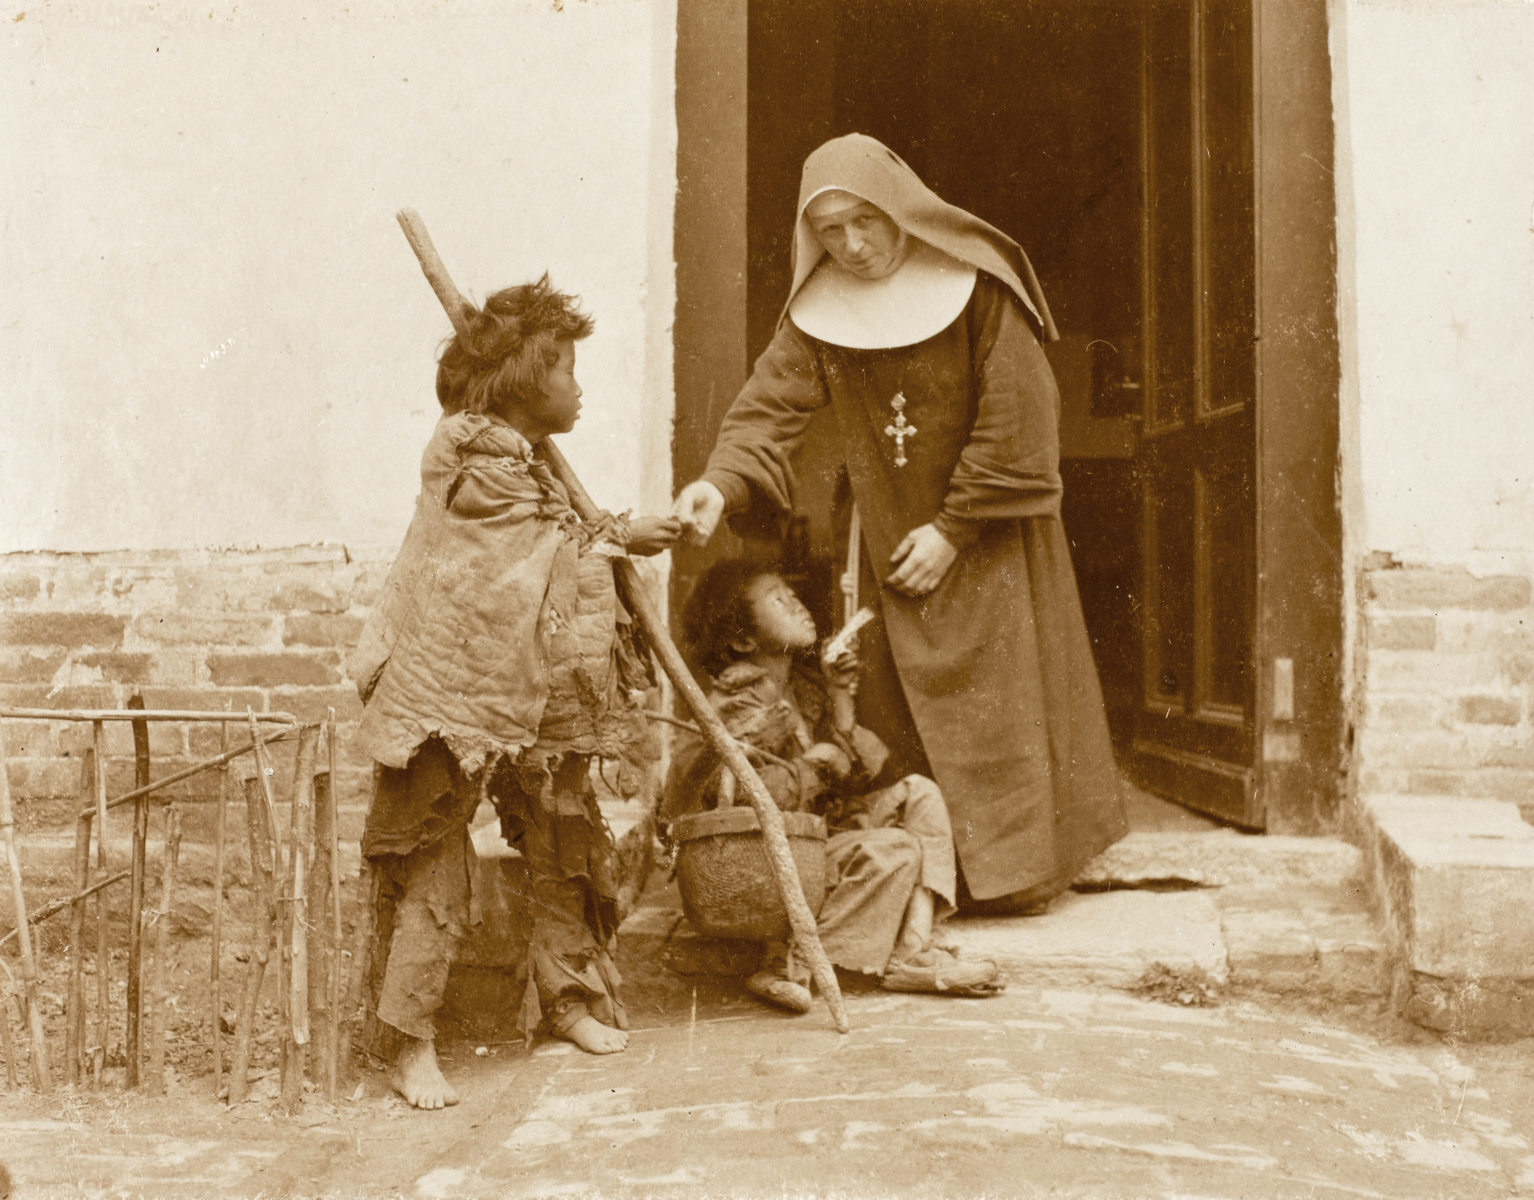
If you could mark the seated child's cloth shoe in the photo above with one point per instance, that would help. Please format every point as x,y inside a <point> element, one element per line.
<point>939,969</point>
<point>781,978</point>
<point>783,992</point>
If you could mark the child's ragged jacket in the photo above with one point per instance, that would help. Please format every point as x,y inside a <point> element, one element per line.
<point>499,625</point>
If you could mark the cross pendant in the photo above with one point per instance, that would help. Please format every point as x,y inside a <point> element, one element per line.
<point>900,429</point>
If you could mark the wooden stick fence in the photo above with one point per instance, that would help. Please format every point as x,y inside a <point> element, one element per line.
<point>32,1013</point>
<point>156,922</point>
<point>261,823</point>
<point>295,927</point>
<point>136,889</point>
<point>215,973</point>
<point>103,951</point>
<point>297,911</point>
<point>54,907</point>
<point>7,1041</point>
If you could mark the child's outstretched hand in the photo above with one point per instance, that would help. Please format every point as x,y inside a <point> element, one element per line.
<point>651,535</point>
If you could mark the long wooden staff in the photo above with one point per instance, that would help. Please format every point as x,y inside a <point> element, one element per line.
<point>774,836</point>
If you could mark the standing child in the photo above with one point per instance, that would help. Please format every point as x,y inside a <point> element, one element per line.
<point>497,663</point>
<point>890,866</point>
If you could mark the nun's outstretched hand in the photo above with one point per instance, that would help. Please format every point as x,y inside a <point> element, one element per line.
<point>698,506</point>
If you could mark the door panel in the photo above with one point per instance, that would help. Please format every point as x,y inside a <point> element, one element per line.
<point>1222,619</point>
<point>1169,261</point>
<point>1195,732</point>
<point>1071,124</point>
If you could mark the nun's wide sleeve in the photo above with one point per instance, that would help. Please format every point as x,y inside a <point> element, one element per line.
<point>1010,465</point>
<point>752,458</point>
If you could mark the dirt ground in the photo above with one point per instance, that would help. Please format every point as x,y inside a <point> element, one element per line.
<point>1039,1092</point>
<point>1035,1093</point>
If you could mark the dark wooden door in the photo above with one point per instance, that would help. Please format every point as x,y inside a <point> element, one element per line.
<point>1195,731</point>
<point>1235,630</point>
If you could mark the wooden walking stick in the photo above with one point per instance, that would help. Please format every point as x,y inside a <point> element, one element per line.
<point>774,837</point>
<point>34,1014</point>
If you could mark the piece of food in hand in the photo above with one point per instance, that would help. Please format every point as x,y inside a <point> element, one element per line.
<point>841,641</point>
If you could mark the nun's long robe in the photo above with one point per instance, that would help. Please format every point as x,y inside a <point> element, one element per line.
<point>987,683</point>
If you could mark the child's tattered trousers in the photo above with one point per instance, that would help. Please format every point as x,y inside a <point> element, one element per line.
<point>417,838</point>
<point>429,895</point>
<point>891,841</point>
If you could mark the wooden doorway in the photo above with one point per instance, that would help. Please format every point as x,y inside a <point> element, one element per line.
<point>1144,153</point>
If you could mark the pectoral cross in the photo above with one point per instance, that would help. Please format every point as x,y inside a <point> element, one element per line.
<point>900,429</point>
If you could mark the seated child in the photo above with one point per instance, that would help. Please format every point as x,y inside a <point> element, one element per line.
<point>890,863</point>
<point>497,662</point>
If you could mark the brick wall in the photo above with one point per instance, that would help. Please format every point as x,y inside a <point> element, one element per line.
<point>267,630</point>
<point>1447,685</point>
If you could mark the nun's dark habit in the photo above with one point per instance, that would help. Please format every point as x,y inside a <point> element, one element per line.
<point>987,684</point>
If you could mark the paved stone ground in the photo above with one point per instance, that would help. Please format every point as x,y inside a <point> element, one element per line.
<point>1280,1075</point>
<point>1038,1092</point>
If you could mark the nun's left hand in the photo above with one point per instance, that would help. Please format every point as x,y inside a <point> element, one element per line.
<point>920,561</point>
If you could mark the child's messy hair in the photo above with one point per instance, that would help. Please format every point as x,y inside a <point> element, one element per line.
<point>717,612</point>
<point>513,341</point>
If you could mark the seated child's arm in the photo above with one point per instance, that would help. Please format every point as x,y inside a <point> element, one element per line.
<point>839,667</point>
<point>865,751</point>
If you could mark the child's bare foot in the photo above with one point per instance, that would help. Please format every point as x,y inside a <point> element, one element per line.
<point>592,1036</point>
<point>417,1077</point>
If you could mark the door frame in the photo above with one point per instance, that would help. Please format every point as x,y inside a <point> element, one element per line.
<point>1298,650</point>
<point>1299,625</point>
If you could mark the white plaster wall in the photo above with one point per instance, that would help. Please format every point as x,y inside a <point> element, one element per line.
<point>1435,105</point>
<point>212,331</point>
<point>1436,163</point>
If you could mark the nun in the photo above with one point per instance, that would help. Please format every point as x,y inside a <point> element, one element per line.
<point>920,325</point>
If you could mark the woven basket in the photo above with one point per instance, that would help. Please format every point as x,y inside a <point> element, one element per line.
<point>726,879</point>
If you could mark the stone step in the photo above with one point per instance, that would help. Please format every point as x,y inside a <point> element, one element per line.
<point>1219,858</point>
<point>1186,916</point>
<point>1453,879</point>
